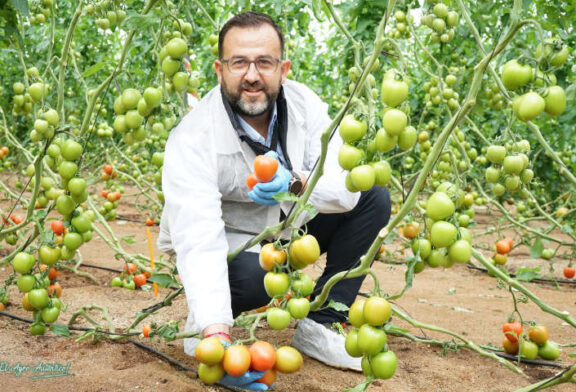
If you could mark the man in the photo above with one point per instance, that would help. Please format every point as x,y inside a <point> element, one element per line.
<point>210,211</point>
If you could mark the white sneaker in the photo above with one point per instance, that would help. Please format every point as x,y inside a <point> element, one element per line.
<point>323,344</point>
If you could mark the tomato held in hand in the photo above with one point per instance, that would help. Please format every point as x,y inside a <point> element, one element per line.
<point>512,330</point>
<point>210,374</point>
<point>268,378</point>
<point>265,168</point>
<point>262,355</point>
<point>236,360</point>
<point>209,351</point>
<point>251,180</point>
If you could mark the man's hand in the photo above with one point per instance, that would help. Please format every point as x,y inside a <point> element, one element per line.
<point>263,192</point>
<point>245,381</point>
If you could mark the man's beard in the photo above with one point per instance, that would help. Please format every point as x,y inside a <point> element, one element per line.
<point>246,107</point>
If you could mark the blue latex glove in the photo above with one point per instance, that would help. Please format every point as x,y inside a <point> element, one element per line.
<point>245,381</point>
<point>263,192</point>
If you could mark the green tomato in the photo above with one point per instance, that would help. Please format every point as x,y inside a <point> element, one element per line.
<point>439,206</point>
<point>351,344</point>
<point>460,251</point>
<point>26,283</point>
<point>38,298</point>
<point>515,75</point>
<point>170,66</point>
<point>82,223</point>
<point>276,284</point>
<point>528,349</point>
<point>438,258</point>
<point>363,177</point>
<point>443,234</point>
<point>50,315</point>
<point>407,139</point>
<point>176,48</point>
<point>394,90</point>
<point>129,284</point>
<point>371,340</point>
<point>278,319</point>
<point>116,282</point>
<point>513,164</point>
<point>71,150</point>
<point>496,154</point>
<point>528,106</point>
<point>48,255</point>
<point>555,101</point>
<point>153,96</point>
<point>67,170</point>
<point>351,129</point>
<point>37,329</point>
<point>382,172</point>
<point>72,241</point>
<point>349,156</point>
<point>76,186</point>
<point>23,262</point>
<point>549,350</point>
<point>298,307</point>
<point>394,122</point>
<point>303,285</point>
<point>423,246</point>
<point>384,364</point>
<point>130,98</point>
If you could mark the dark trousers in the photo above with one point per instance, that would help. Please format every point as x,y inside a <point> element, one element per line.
<point>345,237</point>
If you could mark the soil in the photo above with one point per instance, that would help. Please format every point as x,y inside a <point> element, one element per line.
<point>460,299</point>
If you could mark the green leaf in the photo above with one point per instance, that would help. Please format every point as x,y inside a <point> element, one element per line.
<point>164,280</point>
<point>527,274</point>
<point>338,306</point>
<point>61,330</point>
<point>93,69</point>
<point>310,210</point>
<point>362,386</point>
<point>286,196</point>
<point>128,239</point>
<point>141,22</point>
<point>567,229</point>
<point>536,248</point>
<point>21,5</point>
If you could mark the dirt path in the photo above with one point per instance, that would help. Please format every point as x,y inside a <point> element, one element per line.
<point>465,301</point>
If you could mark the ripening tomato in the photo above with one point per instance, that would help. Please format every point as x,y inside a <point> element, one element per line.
<point>512,330</point>
<point>262,356</point>
<point>209,351</point>
<point>509,347</point>
<point>269,255</point>
<point>251,180</point>
<point>377,311</point>
<point>150,222</point>
<point>538,334</point>
<point>236,360</point>
<point>288,359</point>
<point>55,290</point>
<point>265,168</point>
<point>503,246</point>
<point>304,251</point>
<point>108,169</point>
<point>130,268</point>
<point>410,230</point>
<point>268,378</point>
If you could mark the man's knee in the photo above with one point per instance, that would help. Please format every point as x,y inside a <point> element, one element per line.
<point>376,201</point>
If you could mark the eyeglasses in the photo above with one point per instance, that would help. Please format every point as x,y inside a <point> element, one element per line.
<point>266,65</point>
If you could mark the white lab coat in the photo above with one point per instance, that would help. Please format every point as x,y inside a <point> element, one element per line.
<point>207,211</point>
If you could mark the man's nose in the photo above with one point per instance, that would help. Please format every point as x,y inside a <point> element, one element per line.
<point>252,74</point>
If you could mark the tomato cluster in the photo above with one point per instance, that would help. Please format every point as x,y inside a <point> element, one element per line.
<point>441,20</point>
<point>216,360</point>
<point>368,339</point>
<point>510,170</point>
<point>503,247</point>
<point>285,283</point>
<point>172,56</point>
<point>131,278</point>
<point>531,345</point>
<point>107,13</point>
<point>445,243</point>
<point>112,193</point>
<point>400,28</point>
<point>41,292</point>
<point>40,11</point>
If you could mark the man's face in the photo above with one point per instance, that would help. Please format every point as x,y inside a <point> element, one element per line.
<point>251,94</point>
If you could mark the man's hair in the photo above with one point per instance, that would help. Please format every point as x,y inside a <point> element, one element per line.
<point>245,20</point>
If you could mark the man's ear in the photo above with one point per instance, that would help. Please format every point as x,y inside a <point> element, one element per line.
<point>218,67</point>
<point>285,67</point>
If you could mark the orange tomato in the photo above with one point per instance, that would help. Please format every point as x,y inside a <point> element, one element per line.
<point>57,227</point>
<point>262,356</point>
<point>503,246</point>
<point>268,378</point>
<point>510,242</point>
<point>55,290</point>
<point>53,273</point>
<point>146,330</point>
<point>251,180</point>
<point>411,230</point>
<point>236,360</point>
<point>538,334</point>
<point>105,193</point>
<point>139,280</point>
<point>5,150</point>
<point>270,255</point>
<point>108,169</point>
<point>265,168</point>
<point>2,307</point>
<point>150,222</point>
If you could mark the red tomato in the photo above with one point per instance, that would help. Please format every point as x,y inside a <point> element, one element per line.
<point>251,180</point>
<point>150,222</point>
<point>512,330</point>
<point>265,167</point>
<point>262,355</point>
<point>57,227</point>
<point>53,273</point>
<point>236,360</point>
<point>146,330</point>
<point>569,272</point>
<point>16,219</point>
<point>130,268</point>
<point>105,193</point>
<point>108,169</point>
<point>139,280</point>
